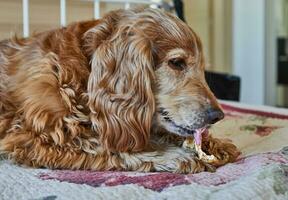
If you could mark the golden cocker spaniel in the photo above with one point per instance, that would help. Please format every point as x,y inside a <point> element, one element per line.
<point>119,93</point>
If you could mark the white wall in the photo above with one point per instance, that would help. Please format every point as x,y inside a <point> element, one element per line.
<point>248,48</point>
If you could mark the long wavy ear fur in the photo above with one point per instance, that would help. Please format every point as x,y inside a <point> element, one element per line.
<point>119,88</point>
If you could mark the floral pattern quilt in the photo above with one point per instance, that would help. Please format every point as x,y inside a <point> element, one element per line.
<point>260,173</point>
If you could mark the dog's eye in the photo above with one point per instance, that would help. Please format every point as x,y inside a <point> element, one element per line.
<point>177,63</point>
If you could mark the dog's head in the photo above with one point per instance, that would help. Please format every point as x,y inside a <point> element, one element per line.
<point>146,65</point>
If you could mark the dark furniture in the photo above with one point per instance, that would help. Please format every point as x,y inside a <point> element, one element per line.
<point>224,86</point>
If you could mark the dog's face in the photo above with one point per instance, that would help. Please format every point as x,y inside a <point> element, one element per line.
<point>184,102</point>
<point>147,66</point>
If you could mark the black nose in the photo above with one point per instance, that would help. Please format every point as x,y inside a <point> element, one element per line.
<point>213,115</point>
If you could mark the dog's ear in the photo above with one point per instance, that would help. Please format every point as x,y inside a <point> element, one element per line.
<point>102,31</point>
<point>119,88</point>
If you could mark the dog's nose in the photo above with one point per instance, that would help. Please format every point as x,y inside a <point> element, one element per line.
<point>214,115</point>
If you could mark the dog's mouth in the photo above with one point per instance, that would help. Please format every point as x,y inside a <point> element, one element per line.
<point>197,130</point>
<point>197,133</point>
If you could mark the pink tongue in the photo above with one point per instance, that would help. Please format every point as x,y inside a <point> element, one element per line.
<point>201,132</point>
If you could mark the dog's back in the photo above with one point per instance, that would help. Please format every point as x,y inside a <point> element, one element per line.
<point>6,106</point>
<point>20,58</point>
<point>4,49</point>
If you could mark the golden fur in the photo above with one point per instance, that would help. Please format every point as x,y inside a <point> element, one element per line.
<point>107,95</point>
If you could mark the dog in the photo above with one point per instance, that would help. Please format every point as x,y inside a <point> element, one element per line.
<point>118,93</point>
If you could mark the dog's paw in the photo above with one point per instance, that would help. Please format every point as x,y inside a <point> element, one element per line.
<point>224,150</point>
<point>178,160</point>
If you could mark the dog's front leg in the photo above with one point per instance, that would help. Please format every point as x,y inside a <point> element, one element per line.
<point>170,159</point>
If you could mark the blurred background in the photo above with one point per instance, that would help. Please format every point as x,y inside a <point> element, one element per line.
<point>246,38</point>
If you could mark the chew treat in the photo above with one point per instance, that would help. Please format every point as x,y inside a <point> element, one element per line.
<point>189,143</point>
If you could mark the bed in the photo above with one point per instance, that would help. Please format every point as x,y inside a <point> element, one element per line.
<point>260,132</point>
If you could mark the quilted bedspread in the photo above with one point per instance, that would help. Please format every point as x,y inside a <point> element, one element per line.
<point>260,173</point>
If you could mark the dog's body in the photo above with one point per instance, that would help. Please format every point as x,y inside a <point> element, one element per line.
<point>106,94</point>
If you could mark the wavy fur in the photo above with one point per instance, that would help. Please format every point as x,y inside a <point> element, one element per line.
<point>88,96</point>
